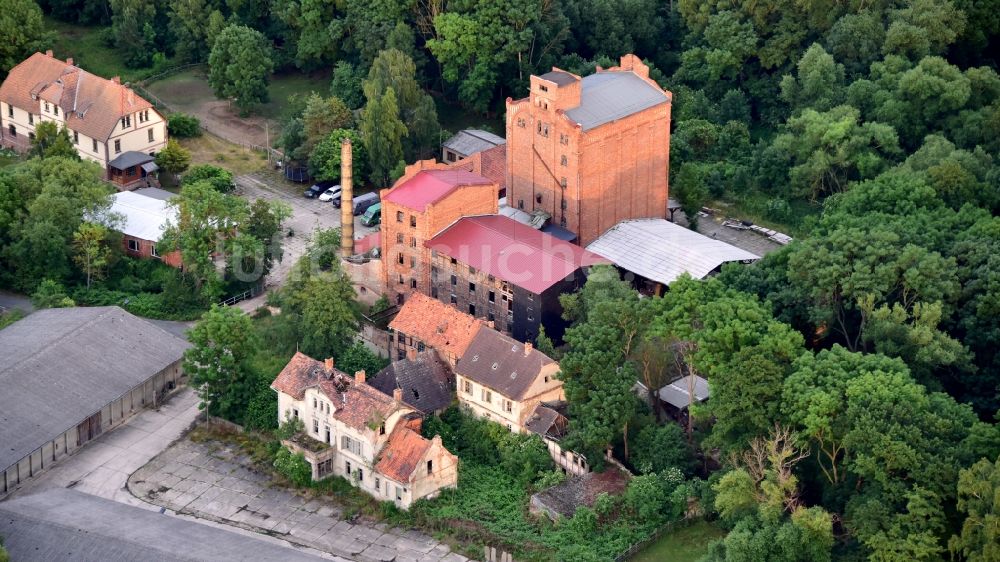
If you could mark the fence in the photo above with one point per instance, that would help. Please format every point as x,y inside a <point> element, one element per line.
<point>249,294</point>
<point>657,534</point>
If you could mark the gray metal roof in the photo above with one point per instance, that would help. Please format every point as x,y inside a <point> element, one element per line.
<point>607,96</point>
<point>129,159</point>
<point>679,393</point>
<point>61,365</point>
<point>471,141</point>
<point>559,77</point>
<point>61,524</point>
<point>662,251</point>
<point>425,381</point>
<point>155,193</point>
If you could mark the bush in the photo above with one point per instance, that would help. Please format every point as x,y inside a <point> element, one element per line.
<point>262,411</point>
<point>8,318</point>
<point>221,179</point>
<point>294,467</point>
<point>360,358</point>
<point>183,126</point>
<point>658,447</point>
<point>51,294</point>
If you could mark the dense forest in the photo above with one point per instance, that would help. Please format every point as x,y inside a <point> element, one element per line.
<point>855,372</point>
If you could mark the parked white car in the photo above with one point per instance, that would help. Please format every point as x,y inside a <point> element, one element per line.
<point>330,194</point>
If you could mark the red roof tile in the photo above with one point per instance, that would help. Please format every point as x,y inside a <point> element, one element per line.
<point>438,325</point>
<point>512,251</point>
<point>430,186</point>
<point>402,453</point>
<point>91,105</point>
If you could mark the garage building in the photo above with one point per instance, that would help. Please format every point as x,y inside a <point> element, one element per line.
<point>69,374</point>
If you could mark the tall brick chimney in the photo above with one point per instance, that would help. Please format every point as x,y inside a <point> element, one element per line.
<point>397,394</point>
<point>346,200</point>
<point>116,79</point>
<point>48,53</point>
<point>69,61</point>
<point>528,346</point>
<point>359,376</point>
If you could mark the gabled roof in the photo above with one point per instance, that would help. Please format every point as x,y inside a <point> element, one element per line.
<point>61,524</point>
<point>145,217</point>
<point>683,391</point>
<point>91,105</point>
<point>357,404</point>
<point>430,186</point>
<point>58,366</point>
<point>662,251</point>
<point>502,363</point>
<point>402,453</point>
<point>512,251</point>
<point>610,95</point>
<point>545,422</point>
<point>471,141</point>
<point>425,381</point>
<point>437,325</point>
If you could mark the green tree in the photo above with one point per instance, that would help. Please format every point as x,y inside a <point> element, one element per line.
<point>979,500</point>
<point>188,20</point>
<point>382,133</point>
<point>23,30</point>
<point>222,343</point>
<point>93,251</point>
<point>173,159</point>
<point>240,66</point>
<point>396,70</point>
<point>51,294</point>
<point>329,316</point>
<point>220,178</point>
<point>293,466</point>
<point>346,85</point>
<point>314,30</point>
<point>321,117</point>
<point>818,83</point>
<point>659,447</point>
<point>264,226</point>
<point>324,161</point>
<point>133,30</point>
<point>182,125</point>
<point>50,140</point>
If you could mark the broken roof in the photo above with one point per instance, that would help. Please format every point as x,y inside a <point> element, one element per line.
<point>430,186</point>
<point>514,252</point>
<point>680,392</point>
<point>437,325</point>
<point>662,251</point>
<point>90,104</point>
<point>579,491</point>
<point>470,141</point>
<point>425,381</point>
<point>402,453</point>
<point>61,365</point>
<point>501,363</point>
<point>145,217</point>
<point>61,524</point>
<point>610,95</point>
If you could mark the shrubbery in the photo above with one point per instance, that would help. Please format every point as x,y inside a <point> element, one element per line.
<point>293,466</point>
<point>182,125</point>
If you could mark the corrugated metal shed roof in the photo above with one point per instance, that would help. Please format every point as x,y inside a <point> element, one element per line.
<point>430,186</point>
<point>662,251</point>
<point>61,365</point>
<point>145,217</point>
<point>512,251</point>
<point>607,96</point>
<point>470,141</point>
<point>678,393</point>
<point>61,524</point>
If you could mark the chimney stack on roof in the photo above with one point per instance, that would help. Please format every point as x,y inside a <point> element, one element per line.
<point>527,348</point>
<point>436,440</point>
<point>359,376</point>
<point>328,363</point>
<point>116,79</point>
<point>411,353</point>
<point>397,394</point>
<point>48,53</point>
<point>346,199</point>
<point>69,61</point>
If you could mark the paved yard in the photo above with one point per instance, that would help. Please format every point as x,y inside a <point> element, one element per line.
<point>211,480</point>
<point>307,216</point>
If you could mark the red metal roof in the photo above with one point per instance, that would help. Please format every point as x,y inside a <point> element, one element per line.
<point>512,251</point>
<point>430,186</point>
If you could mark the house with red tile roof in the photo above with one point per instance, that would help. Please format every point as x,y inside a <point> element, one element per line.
<point>509,273</point>
<point>424,323</point>
<point>353,430</point>
<point>108,122</point>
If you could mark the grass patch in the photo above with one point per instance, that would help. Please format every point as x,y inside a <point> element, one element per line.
<point>11,316</point>
<point>86,46</point>
<point>685,544</point>
<point>285,84</point>
<point>210,149</point>
<point>185,91</point>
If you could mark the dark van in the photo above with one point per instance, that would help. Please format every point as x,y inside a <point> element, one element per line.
<point>362,202</point>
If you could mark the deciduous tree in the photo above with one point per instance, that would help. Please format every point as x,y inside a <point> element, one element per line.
<point>222,343</point>
<point>382,133</point>
<point>240,66</point>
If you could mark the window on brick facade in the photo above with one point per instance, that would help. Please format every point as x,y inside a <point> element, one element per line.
<point>453,261</point>
<point>434,292</point>
<point>538,199</point>
<point>454,299</point>
<point>562,204</point>
<point>451,156</point>
<point>543,87</point>
<point>472,287</point>
<point>489,316</point>
<point>413,261</point>
<point>543,129</point>
<point>400,259</point>
<point>413,242</point>
<point>563,138</point>
<point>413,283</point>
<point>492,297</point>
<point>562,183</point>
<point>133,245</point>
<point>562,221</point>
<point>520,204</point>
<point>434,272</point>
<point>399,238</point>
<point>520,123</point>
<point>399,216</point>
<point>12,130</point>
<point>413,221</point>
<point>401,280</point>
<point>563,160</point>
<point>454,280</point>
<point>472,310</point>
